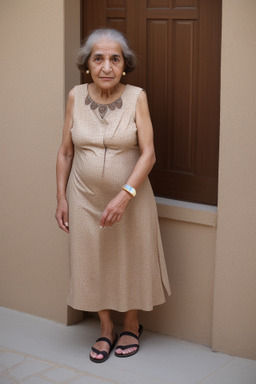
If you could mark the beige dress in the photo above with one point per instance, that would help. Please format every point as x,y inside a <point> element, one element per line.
<point>120,267</point>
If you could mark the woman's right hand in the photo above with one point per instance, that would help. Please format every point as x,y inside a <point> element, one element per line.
<point>64,164</point>
<point>62,215</point>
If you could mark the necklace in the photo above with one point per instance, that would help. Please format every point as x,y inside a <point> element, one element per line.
<point>103,107</point>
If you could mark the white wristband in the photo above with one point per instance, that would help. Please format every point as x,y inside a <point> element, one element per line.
<point>129,189</point>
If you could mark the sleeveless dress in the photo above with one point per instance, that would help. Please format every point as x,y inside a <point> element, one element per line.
<point>120,267</point>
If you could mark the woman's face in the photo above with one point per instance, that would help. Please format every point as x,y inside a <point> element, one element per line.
<point>106,64</point>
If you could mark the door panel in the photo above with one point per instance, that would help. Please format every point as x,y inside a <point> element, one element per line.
<point>178,47</point>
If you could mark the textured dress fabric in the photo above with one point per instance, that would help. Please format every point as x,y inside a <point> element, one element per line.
<point>121,267</point>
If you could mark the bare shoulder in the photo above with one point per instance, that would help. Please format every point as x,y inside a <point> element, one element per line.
<point>143,119</point>
<point>71,94</point>
<point>142,95</point>
<point>142,102</point>
<point>70,102</point>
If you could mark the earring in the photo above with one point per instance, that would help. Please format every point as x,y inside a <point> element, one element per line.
<point>87,72</point>
<point>124,73</point>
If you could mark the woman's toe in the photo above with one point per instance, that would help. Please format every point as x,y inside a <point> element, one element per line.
<point>126,351</point>
<point>95,355</point>
<point>129,350</point>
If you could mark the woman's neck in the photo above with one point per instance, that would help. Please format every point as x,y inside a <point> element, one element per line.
<point>105,95</point>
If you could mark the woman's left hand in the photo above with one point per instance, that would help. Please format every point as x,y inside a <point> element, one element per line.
<point>115,209</point>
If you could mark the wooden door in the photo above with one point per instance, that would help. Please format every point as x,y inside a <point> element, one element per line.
<point>178,47</point>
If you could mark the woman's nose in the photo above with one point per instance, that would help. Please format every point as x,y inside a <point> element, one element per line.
<point>106,66</point>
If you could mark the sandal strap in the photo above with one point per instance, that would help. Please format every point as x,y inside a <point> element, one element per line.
<point>104,339</point>
<point>128,333</point>
<point>104,353</point>
<point>123,347</point>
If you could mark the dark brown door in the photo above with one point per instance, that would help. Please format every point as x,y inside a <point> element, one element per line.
<point>178,46</point>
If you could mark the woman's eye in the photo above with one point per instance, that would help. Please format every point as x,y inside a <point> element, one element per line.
<point>98,59</point>
<point>115,59</point>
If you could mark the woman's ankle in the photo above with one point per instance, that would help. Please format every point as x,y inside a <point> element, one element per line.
<point>131,322</point>
<point>106,322</point>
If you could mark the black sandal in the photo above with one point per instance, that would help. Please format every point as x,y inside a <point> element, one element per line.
<point>104,353</point>
<point>123,347</point>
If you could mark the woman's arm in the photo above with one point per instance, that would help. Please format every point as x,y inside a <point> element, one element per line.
<point>146,143</point>
<point>64,163</point>
<point>115,209</point>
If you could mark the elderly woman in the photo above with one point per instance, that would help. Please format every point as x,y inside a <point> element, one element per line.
<point>105,201</point>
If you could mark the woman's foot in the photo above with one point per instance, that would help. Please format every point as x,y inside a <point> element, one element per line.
<point>128,343</point>
<point>103,346</point>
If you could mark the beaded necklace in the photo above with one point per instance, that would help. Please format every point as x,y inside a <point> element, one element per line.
<point>103,107</point>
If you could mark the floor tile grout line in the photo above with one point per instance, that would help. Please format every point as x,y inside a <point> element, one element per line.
<point>53,366</point>
<point>42,376</point>
<point>34,376</point>
<point>15,365</point>
<point>81,375</point>
<point>72,380</point>
<point>147,377</point>
<point>107,381</point>
<point>217,370</point>
<point>20,380</point>
<point>13,380</point>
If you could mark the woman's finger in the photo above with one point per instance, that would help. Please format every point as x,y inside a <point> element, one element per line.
<point>62,221</point>
<point>108,218</point>
<point>119,218</point>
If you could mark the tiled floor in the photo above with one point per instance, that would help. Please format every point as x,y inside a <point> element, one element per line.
<point>38,351</point>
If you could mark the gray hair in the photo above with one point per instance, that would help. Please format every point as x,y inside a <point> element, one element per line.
<point>109,34</point>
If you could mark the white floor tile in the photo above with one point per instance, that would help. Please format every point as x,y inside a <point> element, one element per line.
<point>238,371</point>
<point>37,380</point>
<point>9,359</point>
<point>28,368</point>
<point>2,369</point>
<point>93,380</point>
<point>161,359</point>
<point>4,380</point>
<point>61,374</point>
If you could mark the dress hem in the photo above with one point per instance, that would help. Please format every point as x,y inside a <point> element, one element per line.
<point>113,308</point>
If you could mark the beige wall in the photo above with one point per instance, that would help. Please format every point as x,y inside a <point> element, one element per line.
<point>34,254</point>
<point>234,327</point>
<point>213,283</point>
<point>190,250</point>
<point>189,238</point>
<point>72,43</point>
